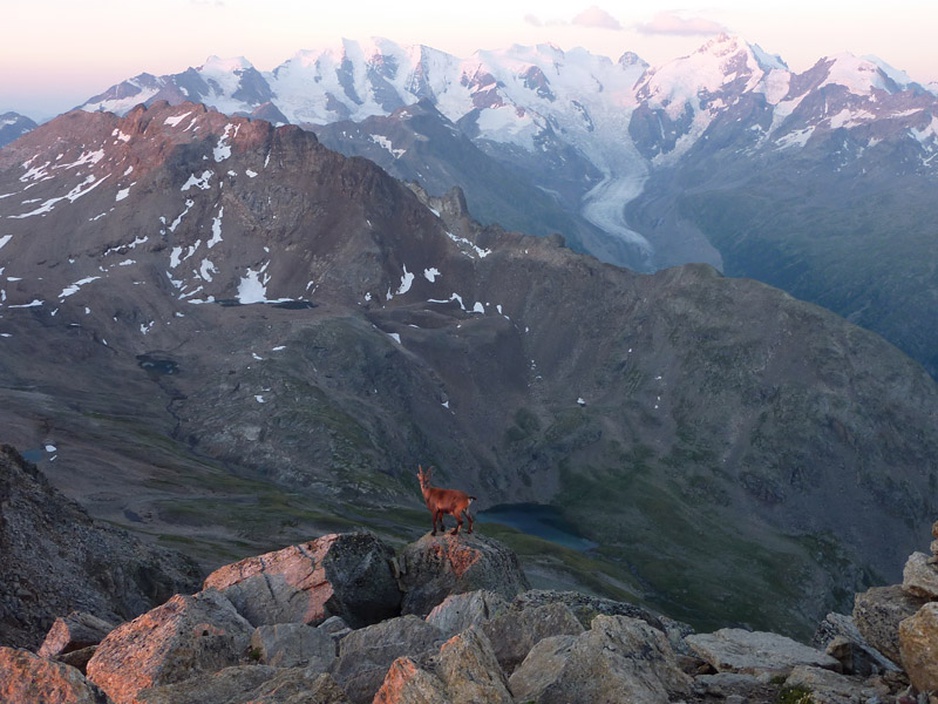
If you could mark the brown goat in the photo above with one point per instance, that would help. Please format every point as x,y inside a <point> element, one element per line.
<point>441,501</point>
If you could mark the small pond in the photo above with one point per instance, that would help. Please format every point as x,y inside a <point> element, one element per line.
<point>539,520</point>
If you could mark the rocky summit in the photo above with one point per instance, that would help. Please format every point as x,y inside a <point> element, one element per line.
<point>226,337</point>
<point>502,644</point>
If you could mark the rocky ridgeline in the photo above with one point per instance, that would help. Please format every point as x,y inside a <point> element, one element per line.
<point>346,619</point>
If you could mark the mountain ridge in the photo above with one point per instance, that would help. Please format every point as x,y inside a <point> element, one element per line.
<point>271,336</point>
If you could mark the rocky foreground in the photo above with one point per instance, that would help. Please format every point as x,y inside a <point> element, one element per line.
<point>346,618</point>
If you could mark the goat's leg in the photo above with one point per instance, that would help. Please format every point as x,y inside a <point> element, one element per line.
<point>433,518</point>
<point>458,516</point>
<point>469,516</point>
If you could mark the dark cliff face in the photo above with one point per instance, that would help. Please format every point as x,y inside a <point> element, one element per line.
<point>243,335</point>
<point>56,559</point>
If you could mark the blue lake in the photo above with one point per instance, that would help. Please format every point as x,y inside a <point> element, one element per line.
<point>539,520</point>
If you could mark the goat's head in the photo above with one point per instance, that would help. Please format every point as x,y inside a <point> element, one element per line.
<point>424,477</point>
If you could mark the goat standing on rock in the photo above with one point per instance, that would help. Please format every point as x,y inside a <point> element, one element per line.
<point>441,501</point>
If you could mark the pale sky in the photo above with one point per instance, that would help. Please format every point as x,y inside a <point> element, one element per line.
<point>55,54</point>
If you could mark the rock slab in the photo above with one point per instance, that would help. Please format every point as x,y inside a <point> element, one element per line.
<point>347,575</point>
<point>185,637</point>
<point>435,567</point>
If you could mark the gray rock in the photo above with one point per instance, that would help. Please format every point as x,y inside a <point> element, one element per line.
<point>464,670</point>
<point>918,647</point>
<point>336,627</point>
<point>26,678</point>
<point>828,687</point>
<point>366,654</point>
<point>469,669</point>
<point>250,684</point>
<point>877,613</point>
<point>620,659</point>
<point>293,645</point>
<point>457,612</point>
<point>515,632</point>
<point>754,652</point>
<point>408,683</point>
<point>920,576</point>
<point>586,607</point>
<point>347,575</point>
<point>76,631</point>
<point>838,636</point>
<point>435,567</point>
<point>185,636</point>
<point>735,687</point>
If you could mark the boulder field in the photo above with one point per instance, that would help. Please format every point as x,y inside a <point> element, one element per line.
<point>347,619</point>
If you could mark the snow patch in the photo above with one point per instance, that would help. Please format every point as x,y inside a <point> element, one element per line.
<point>201,182</point>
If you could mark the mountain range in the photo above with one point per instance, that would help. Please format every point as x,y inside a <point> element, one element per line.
<point>819,183</point>
<point>225,336</point>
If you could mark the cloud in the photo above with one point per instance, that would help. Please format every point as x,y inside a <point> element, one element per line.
<point>672,23</point>
<point>533,20</point>
<point>597,17</point>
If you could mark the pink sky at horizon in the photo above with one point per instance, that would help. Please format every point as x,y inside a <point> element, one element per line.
<point>58,53</point>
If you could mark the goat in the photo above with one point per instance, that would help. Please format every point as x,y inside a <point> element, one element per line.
<point>441,501</point>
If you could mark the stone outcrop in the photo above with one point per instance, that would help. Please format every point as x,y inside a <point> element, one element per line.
<point>436,566</point>
<point>748,652</point>
<point>878,612</point>
<point>184,637</point>
<point>347,575</point>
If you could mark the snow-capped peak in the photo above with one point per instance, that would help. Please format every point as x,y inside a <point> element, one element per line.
<point>216,65</point>
<point>861,76</point>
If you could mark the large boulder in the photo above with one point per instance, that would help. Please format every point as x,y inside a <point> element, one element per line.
<point>918,647</point>
<point>26,678</point>
<point>348,575</point>
<point>435,567</point>
<point>516,631</point>
<point>457,612</point>
<point>619,660</point>
<point>469,669</point>
<point>408,683</point>
<point>878,612</point>
<point>920,576</point>
<point>755,652</point>
<point>366,654</point>
<point>464,670</point>
<point>186,636</point>
<point>293,645</point>
<point>838,636</point>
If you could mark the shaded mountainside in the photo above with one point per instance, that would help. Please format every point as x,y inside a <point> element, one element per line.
<point>56,559</point>
<point>233,335</point>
